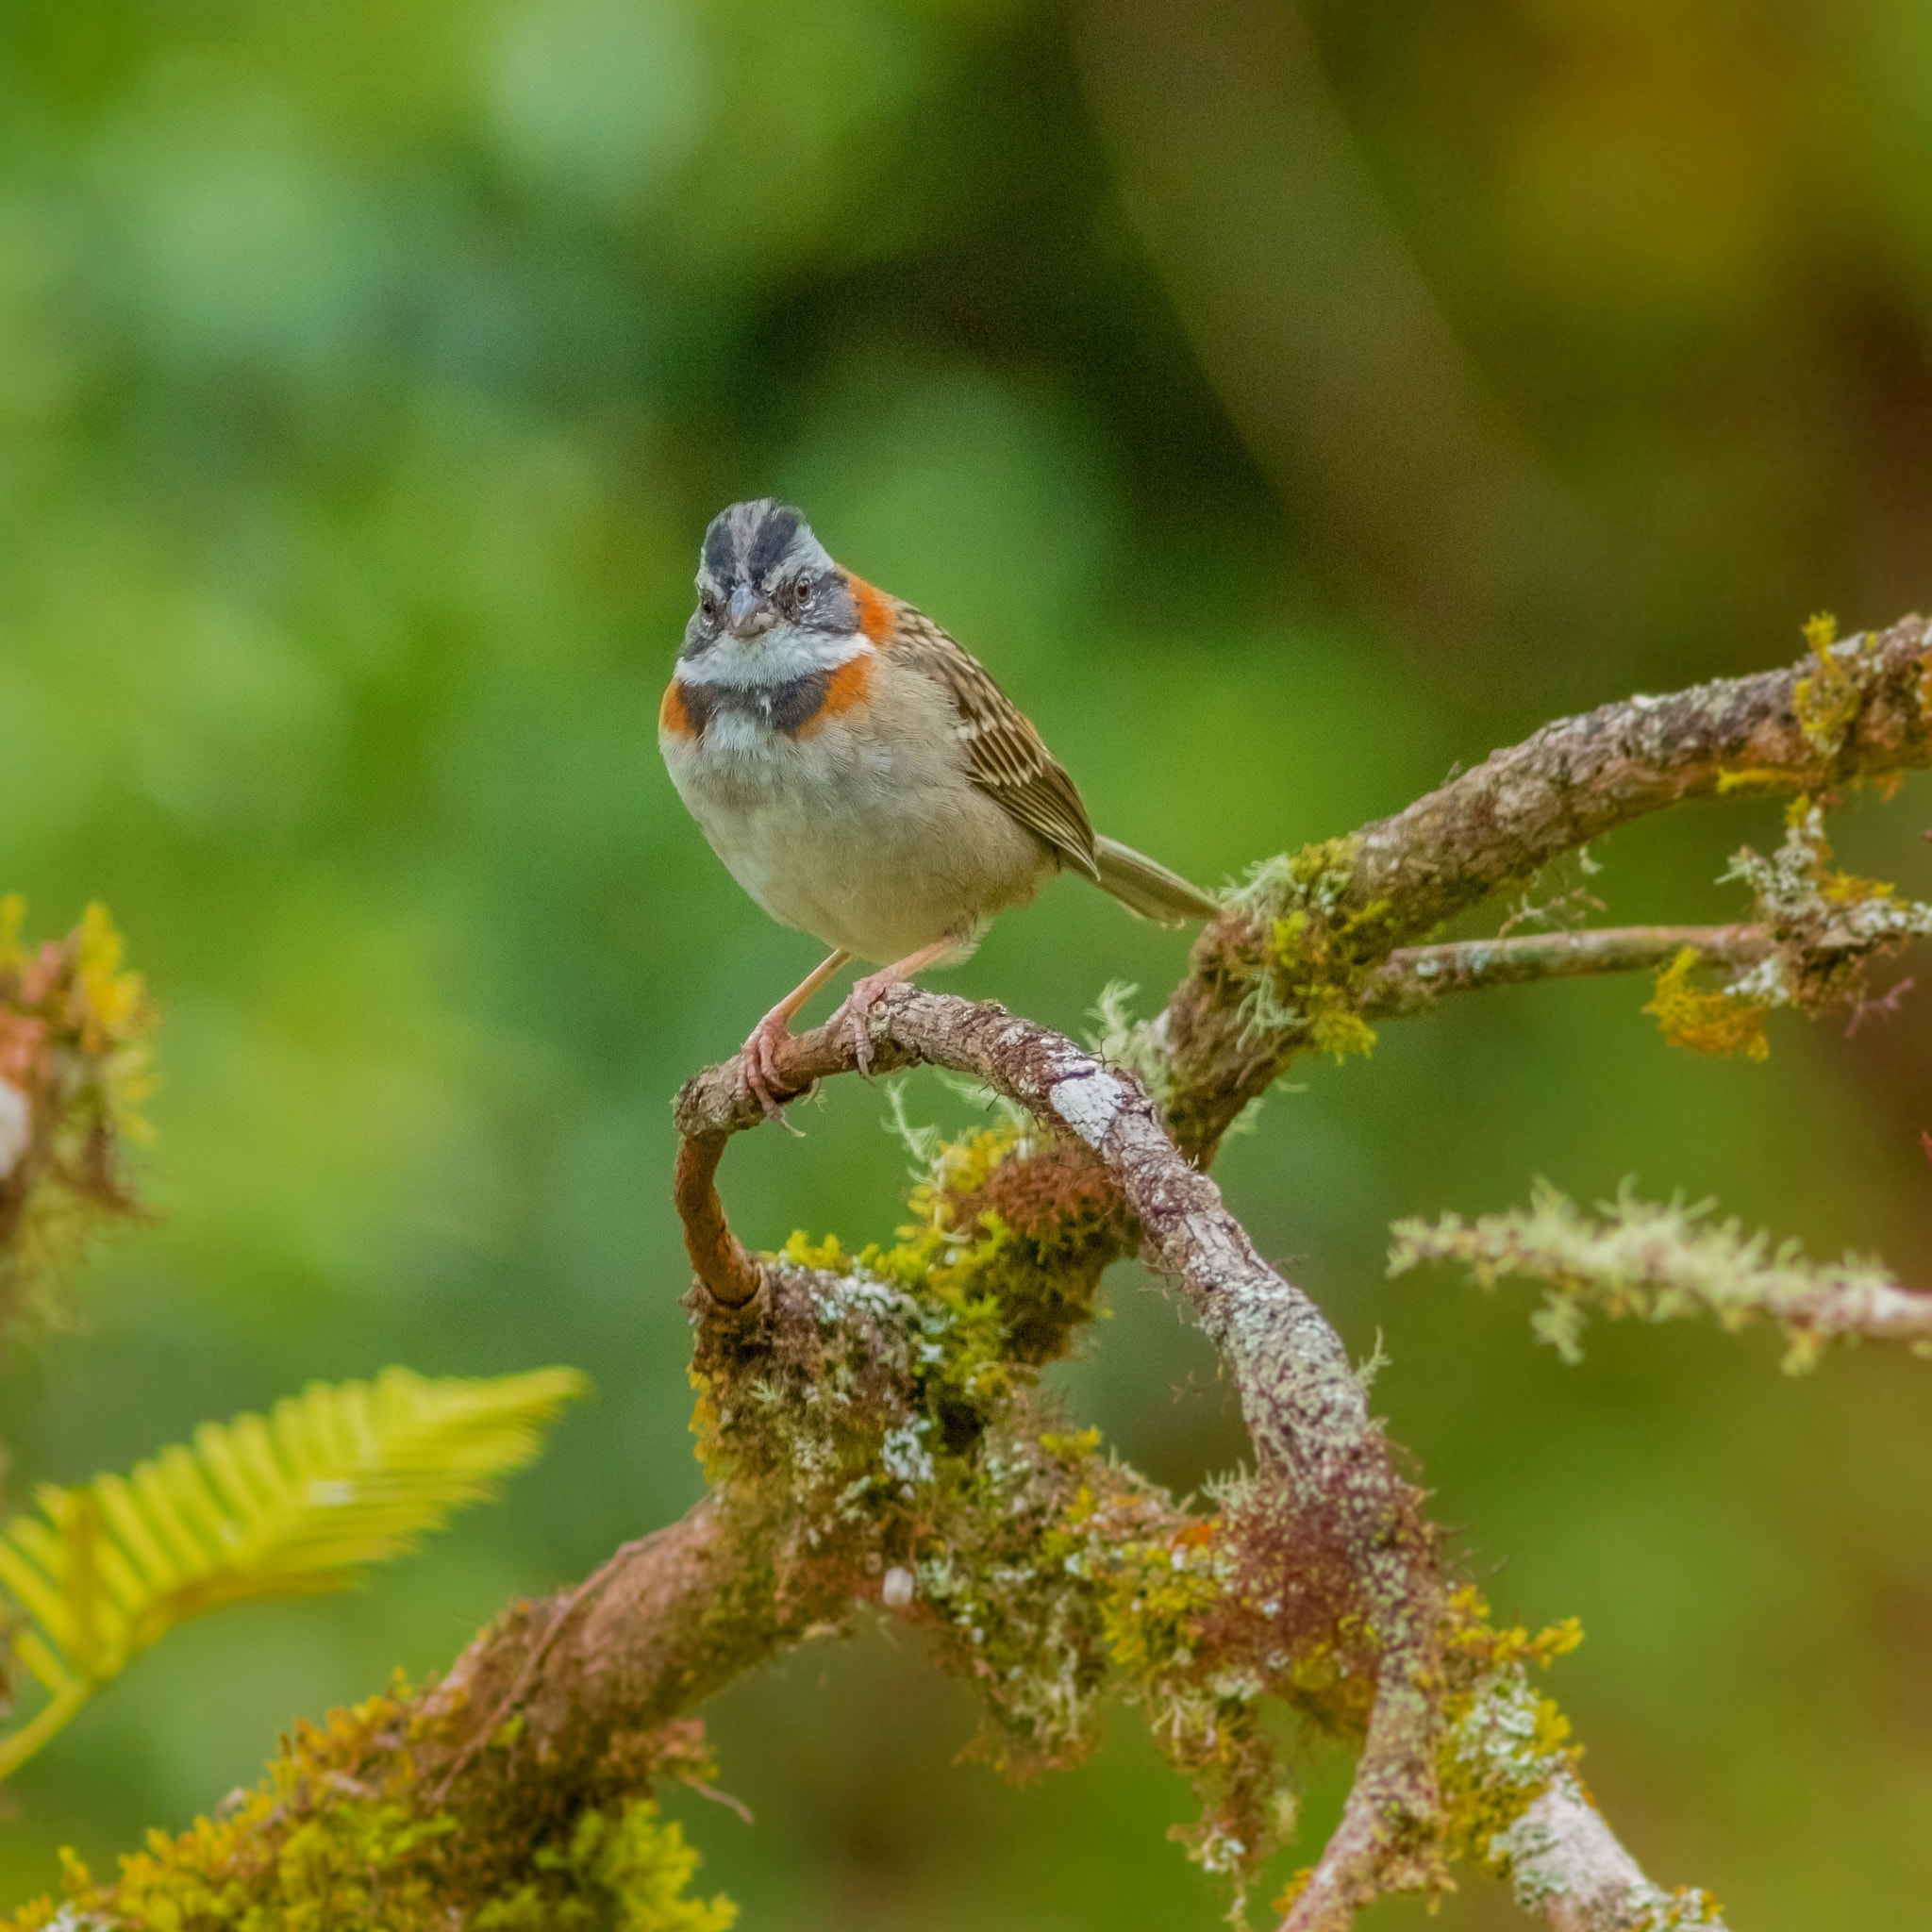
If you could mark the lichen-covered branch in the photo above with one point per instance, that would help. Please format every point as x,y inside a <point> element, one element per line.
<point>514,1794</point>
<point>1657,1263</point>
<point>1288,966</point>
<point>1518,1809</point>
<point>1326,1516</point>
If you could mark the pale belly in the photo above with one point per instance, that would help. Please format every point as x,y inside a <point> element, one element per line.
<point>868,849</point>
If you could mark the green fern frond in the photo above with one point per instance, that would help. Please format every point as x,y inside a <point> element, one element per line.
<point>336,1479</point>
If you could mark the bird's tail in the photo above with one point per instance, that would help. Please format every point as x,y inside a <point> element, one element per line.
<point>1150,889</point>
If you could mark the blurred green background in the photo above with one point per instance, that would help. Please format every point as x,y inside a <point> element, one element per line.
<point>1288,406</point>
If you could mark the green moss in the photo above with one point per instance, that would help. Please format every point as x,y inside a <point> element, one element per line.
<point>1320,950</point>
<point>622,1873</point>
<point>342,1833</point>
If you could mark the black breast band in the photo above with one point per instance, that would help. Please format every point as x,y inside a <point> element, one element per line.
<point>786,708</point>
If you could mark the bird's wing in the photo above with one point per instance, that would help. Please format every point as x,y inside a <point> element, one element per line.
<point>1004,756</point>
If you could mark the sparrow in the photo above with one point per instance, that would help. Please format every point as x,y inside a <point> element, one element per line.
<point>864,777</point>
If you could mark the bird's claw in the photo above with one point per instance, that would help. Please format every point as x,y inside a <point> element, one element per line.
<point>856,1015</point>
<point>757,1070</point>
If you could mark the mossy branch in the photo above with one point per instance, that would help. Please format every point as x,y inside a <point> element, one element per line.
<point>1324,1555</point>
<point>1413,979</point>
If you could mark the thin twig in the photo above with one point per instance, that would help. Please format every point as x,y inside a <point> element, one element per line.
<point>1414,977</point>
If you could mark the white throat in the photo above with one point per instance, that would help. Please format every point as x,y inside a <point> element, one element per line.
<point>773,656</point>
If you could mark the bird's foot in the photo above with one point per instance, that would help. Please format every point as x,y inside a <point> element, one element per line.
<point>856,1014</point>
<point>757,1065</point>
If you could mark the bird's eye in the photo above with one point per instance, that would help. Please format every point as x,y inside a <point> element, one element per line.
<point>709,605</point>
<point>801,593</point>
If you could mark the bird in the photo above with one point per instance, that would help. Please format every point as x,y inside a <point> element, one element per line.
<point>864,777</point>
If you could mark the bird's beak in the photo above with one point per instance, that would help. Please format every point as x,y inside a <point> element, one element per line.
<point>749,612</point>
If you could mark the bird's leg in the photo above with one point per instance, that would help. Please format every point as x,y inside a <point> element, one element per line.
<point>856,1012</point>
<point>758,1066</point>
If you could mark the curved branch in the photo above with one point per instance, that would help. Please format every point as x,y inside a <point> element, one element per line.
<point>554,1706</point>
<point>718,1258</point>
<point>1330,1480</point>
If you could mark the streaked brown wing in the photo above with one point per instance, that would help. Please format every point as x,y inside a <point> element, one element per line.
<point>1004,756</point>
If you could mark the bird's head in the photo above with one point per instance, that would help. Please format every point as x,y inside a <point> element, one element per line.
<point>770,598</point>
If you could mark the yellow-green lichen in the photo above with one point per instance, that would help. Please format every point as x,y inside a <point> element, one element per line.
<point>1826,925</point>
<point>1503,1743</point>
<point>1828,698</point>
<point>1753,778</point>
<point>1709,1023</point>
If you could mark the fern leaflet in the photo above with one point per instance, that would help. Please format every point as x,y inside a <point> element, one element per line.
<point>338,1477</point>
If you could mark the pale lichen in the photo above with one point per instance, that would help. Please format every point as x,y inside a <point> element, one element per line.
<point>1657,1263</point>
<point>1825,928</point>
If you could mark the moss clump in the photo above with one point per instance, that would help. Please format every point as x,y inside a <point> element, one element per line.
<point>1710,1022</point>
<point>1502,1744</point>
<point>1073,1580</point>
<point>345,1831</point>
<point>1826,925</point>
<point>625,1871</point>
<point>1319,952</point>
<point>924,1341</point>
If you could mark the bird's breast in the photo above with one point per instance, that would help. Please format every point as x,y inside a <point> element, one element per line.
<point>858,823</point>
